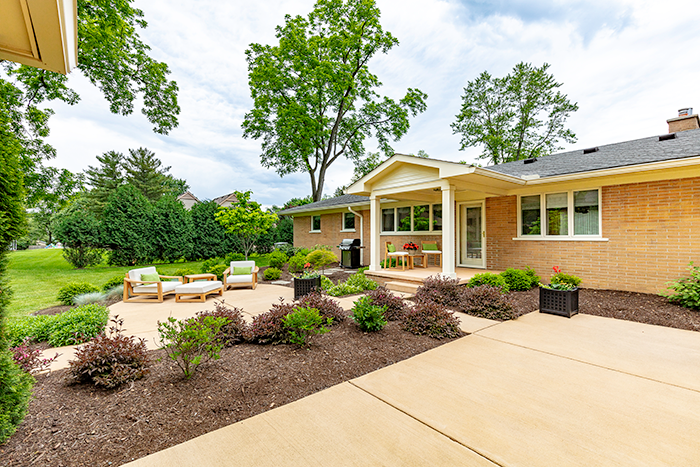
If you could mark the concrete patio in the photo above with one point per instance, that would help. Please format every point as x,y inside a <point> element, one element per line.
<point>539,391</point>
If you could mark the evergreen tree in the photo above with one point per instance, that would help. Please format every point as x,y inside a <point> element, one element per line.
<point>125,227</point>
<point>170,230</point>
<point>105,179</point>
<point>209,238</point>
<point>143,170</point>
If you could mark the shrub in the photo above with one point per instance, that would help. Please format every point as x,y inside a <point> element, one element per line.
<point>272,274</point>
<point>210,263</point>
<point>30,360</point>
<point>182,272</point>
<point>68,292</point>
<point>488,302</point>
<point>686,291</point>
<point>88,298</point>
<point>191,342</point>
<point>304,322</point>
<point>561,278</point>
<point>355,284</point>
<point>441,290</point>
<point>15,393</point>
<point>321,258</point>
<point>77,325</point>
<point>326,283</point>
<point>278,259</point>
<point>320,246</point>
<point>232,331</point>
<point>83,257</point>
<point>517,279</point>
<point>369,317</point>
<point>395,306</point>
<point>296,263</point>
<point>218,270</point>
<point>114,282</point>
<point>534,278</point>
<point>234,256</point>
<point>36,328</point>
<point>431,319</point>
<point>267,328</point>
<point>110,360</point>
<point>489,278</point>
<point>328,308</point>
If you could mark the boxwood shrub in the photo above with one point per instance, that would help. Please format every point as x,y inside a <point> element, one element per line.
<point>272,274</point>
<point>68,292</point>
<point>489,278</point>
<point>517,279</point>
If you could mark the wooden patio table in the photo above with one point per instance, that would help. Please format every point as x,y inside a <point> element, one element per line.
<point>195,277</point>
<point>412,258</point>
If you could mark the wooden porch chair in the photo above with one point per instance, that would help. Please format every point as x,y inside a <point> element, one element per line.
<point>430,248</point>
<point>391,253</point>
<point>137,290</point>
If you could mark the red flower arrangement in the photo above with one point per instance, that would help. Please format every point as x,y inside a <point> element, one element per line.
<point>410,246</point>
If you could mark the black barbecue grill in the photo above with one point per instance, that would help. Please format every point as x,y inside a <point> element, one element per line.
<point>350,253</point>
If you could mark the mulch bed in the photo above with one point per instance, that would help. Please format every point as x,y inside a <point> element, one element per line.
<point>81,425</point>
<point>630,306</point>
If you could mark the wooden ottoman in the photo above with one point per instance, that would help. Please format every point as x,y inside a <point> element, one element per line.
<point>200,290</point>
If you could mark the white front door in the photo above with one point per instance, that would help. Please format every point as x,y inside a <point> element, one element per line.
<point>472,235</point>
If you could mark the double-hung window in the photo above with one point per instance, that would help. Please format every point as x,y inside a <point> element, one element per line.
<point>560,215</point>
<point>315,223</point>
<point>348,222</point>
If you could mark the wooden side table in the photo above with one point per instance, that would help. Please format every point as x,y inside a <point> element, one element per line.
<point>412,259</point>
<point>196,277</point>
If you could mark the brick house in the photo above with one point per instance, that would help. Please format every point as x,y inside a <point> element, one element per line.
<point>623,216</point>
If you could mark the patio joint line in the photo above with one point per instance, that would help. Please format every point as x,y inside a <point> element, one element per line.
<point>587,363</point>
<point>430,427</point>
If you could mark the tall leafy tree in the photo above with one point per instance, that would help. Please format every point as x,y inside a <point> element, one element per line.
<point>113,57</point>
<point>519,116</point>
<point>145,172</point>
<point>79,231</point>
<point>54,197</point>
<point>315,99</point>
<point>104,179</point>
<point>15,384</point>
<point>246,220</point>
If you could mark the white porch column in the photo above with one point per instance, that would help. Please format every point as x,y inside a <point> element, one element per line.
<point>375,223</point>
<point>448,231</point>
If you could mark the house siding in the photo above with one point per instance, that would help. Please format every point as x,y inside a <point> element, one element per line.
<point>653,230</point>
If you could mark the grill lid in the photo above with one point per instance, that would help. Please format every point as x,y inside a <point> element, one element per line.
<point>348,243</point>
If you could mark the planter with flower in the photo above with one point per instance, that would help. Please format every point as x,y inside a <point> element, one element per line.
<point>560,296</point>
<point>410,247</point>
<point>309,281</point>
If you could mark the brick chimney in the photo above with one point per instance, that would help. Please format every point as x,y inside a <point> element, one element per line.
<point>684,121</point>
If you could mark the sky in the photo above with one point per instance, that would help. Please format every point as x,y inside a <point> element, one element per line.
<point>630,65</point>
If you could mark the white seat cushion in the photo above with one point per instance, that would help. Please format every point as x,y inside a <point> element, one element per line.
<point>135,274</point>
<point>431,252</point>
<point>398,253</point>
<point>240,279</point>
<point>198,287</point>
<point>168,286</point>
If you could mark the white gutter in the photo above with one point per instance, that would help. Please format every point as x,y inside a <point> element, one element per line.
<point>362,230</point>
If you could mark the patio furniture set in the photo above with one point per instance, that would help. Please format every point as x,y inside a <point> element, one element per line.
<point>146,285</point>
<point>428,249</point>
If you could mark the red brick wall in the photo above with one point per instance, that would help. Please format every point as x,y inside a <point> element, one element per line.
<point>653,230</point>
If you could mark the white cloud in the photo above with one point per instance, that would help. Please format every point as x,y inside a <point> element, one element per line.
<point>630,65</point>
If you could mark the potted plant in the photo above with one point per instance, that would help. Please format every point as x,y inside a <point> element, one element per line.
<point>308,282</point>
<point>410,247</point>
<point>560,296</point>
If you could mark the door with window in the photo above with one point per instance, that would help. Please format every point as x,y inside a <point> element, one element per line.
<point>472,233</point>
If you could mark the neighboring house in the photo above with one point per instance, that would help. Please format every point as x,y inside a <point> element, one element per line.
<point>189,200</point>
<point>622,216</point>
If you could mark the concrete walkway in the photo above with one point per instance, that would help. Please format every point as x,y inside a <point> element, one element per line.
<point>538,391</point>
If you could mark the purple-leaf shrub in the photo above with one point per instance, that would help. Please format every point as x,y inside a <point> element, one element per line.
<point>431,319</point>
<point>395,306</point>
<point>233,331</point>
<point>326,306</point>
<point>30,360</point>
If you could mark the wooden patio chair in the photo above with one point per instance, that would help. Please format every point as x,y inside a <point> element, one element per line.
<point>137,290</point>
<point>241,274</point>
<point>430,248</point>
<point>391,253</point>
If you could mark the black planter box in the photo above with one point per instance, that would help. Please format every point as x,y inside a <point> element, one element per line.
<point>559,302</point>
<point>306,286</point>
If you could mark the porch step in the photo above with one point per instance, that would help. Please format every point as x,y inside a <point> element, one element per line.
<point>405,287</point>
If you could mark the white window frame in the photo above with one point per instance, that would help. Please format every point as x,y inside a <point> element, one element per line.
<point>570,218</point>
<point>312,224</point>
<point>342,222</point>
<point>412,231</point>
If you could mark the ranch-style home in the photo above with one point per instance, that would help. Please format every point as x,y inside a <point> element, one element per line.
<point>622,216</point>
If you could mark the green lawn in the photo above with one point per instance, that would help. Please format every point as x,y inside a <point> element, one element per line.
<point>37,275</point>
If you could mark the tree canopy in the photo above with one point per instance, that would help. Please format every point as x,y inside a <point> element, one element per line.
<point>519,116</point>
<point>113,57</point>
<point>246,220</point>
<point>315,99</point>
